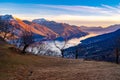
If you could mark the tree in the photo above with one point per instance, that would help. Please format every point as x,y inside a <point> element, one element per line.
<point>117,55</point>
<point>41,48</point>
<point>76,54</point>
<point>26,39</point>
<point>65,40</point>
<point>117,49</point>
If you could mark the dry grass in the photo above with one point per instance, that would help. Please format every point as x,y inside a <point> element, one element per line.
<point>29,67</point>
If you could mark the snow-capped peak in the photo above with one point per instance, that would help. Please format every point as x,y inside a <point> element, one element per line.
<point>7,17</point>
<point>39,20</point>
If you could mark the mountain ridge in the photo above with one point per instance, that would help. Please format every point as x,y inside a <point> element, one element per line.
<point>62,28</point>
<point>44,30</point>
<point>101,30</point>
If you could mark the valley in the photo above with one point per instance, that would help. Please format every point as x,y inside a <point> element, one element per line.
<point>59,39</point>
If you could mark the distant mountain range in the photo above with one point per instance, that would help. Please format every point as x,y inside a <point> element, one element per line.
<point>100,30</point>
<point>42,27</point>
<point>62,29</point>
<point>18,25</point>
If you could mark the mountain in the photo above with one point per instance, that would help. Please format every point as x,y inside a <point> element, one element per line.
<point>113,27</point>
<point>7,17</point>
<point>20,25</point>
<point>42,27</point>
<point>92,29</point>
<point>62,29</point>
<point>100,30</point>
<point>101,47</point>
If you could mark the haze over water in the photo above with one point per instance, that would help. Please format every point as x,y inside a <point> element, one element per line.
<point>76,41</point>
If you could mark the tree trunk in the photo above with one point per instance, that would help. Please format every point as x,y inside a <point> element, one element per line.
<point>5,36</point>
<point>24,49</point>
<point>117,56</point>
<point>62,53</point>
<point>76,54</point>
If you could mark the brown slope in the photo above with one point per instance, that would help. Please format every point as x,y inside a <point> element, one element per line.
<point>43,29</point>
<point>26,27</point>
<point>29,67</point>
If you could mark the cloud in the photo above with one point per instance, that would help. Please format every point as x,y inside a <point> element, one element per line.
<point>113,10</point>
<point>104,10</point>
<point>87,10</point>
<point>103,15</point>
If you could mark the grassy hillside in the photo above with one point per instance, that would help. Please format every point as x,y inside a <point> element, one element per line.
<point>14,66</point>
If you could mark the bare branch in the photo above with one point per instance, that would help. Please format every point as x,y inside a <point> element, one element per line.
<point>62,48</point>
<point>27,38</point>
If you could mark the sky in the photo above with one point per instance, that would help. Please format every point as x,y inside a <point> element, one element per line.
<point>75,12</point>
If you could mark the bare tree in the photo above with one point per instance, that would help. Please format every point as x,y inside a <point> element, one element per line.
<point>117,49</point>
<point>76,54</point>
<point>117,55</point>
<point>26,39</point>
<point>65,40</point>
<point>41,48</point>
